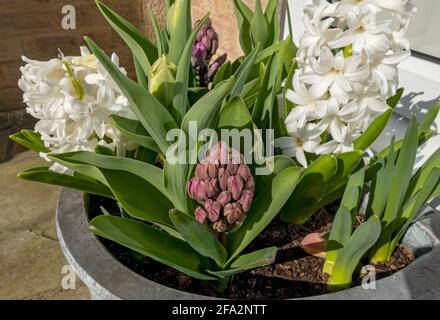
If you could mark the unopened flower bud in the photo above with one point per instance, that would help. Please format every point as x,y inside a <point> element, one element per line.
<point>162,77</point>
<point>235,186</point>
<point>201,215</point>
<point>246,200</point>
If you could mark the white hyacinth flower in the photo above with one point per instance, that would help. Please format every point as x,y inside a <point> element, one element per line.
<point>73,98</point>
<point>347,69</point>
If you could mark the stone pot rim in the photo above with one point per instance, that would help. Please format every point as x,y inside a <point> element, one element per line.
<point>107,278</point>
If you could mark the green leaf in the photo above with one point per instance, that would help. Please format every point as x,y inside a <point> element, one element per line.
<point>235,115</point>
<point>272,17</point>
<point>244,18</point>
<point>142,79</point>
<point>205,111</point>
<point>402,173</point>
<point>136,185</point>
<point>259,26</point>
<point>344,219</point>
<point>311,188</point>
<point>152,243</point>
<point>148,172</point>
<point>373,131</point>
<point>30,140</point>
<point>263,95</point>
<point>223,73</point>
<point>430,117</point>
<point>151,113</point>
<point>249,261</point>
<point>360,242</point>
<point>288,105</point>
<point>182,30</point>
<point>347,163</point>
<point>44,175</point>
<point>134,130</point>
<point>394,100</point>
<point>199,237</point>
<point>104,151</point>
<point>180,100</point>
<point>265,207</point>
<point>159,41</point>
<point>244,71</point>
<point>144,51</point>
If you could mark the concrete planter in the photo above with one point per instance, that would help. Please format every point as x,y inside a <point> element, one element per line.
<point>107,278</point>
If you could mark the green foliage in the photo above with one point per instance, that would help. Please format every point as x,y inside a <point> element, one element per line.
<point>396,200</point>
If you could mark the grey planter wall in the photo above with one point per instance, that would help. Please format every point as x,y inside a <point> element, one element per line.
<point>109,279</point>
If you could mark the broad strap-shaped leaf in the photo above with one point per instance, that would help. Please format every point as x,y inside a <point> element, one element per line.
<point>30,140</point>
<point>398,188</point>
<point>402,173</point>
<point>136,185</point>
<point>381,185</point>
<point>423,174</point>
<point>263,95</point>
<point>363,238</point>
<point>272,17</point>
<point>344,219</point>
<point>180,100</point>
<point>244,18</point>
<point>151,113</point>
<point>157,33</point>
<point>223,73</point>
<point>430,117</point>
<point>205,111</point>
<point>45,175</point>
<point>199,237</point>
<point>274,164</point>
<point>394,100</point>
<point>152,243</point>
<point>242,74</point>
<point>373,132</point>
<point>235,115</point>
<point>264,209</point>
<point>135,131</point>
<point>347,163</point>
<point>311,188</point>
<point>141,77</point>
<point>288,105</point>
<point>259,26</point>
<point>148,172</point>
<point>144,51</point>
<point>182,30</point>
<point>249,261</point>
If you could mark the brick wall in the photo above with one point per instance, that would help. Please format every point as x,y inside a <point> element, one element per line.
<point>33,28</point>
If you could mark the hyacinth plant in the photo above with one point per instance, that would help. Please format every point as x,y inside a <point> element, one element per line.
<point>397,199</point>
<point>200,218</point>
<point>342,94</point>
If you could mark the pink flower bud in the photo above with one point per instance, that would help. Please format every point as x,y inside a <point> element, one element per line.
<point>232,168</point>
<point>199,51</point>
<point>201,215</point>
<point>213,208</point>
<point>244,172</point>
<point>235,186</point>
<point>220,226</point>
<point>192,187</point>
<point>224,197</point>
<point>246,200</point>
<point>207,42</point>
<point>200,194</point>
<point>212,170</point>
<point>250,184</point>
<point>201,171</point>
<point>212,188</point>
<point>223,177</point>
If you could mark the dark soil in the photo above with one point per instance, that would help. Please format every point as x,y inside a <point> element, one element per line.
<point>294,274</point>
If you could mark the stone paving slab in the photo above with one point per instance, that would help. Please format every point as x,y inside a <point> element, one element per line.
<point>31,260</point>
